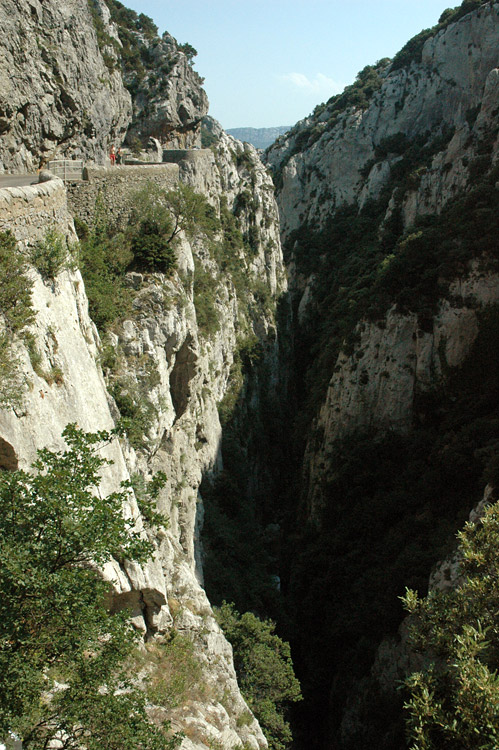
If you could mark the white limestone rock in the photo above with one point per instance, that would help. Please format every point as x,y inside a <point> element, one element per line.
<point>456,75</point>
<point>58,98</point>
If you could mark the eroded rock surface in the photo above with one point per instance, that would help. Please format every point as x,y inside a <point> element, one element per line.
<point>58,97</point>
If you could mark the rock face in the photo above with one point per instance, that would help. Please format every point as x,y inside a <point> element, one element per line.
<point>65,94</point>
<point>347,155</point>
<point>181,373</point>
<point>376,387</point>
<point>334,157</point>
<point>59,98</point>
<point>387,338</point>
<point>64,85</point>
<point>168,103</point>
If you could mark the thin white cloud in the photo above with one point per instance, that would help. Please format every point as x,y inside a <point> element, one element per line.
<point>320,84</point>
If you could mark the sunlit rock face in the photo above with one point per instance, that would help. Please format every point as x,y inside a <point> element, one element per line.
<point>181,373</point>
<point>67,93</point>
<point>324,161</point>
<point>169,103</point>
<point>58,97</point>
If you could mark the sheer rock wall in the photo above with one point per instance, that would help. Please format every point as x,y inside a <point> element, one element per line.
<point>191,373</point>
<point>58,97</point>
<point>455,86</point>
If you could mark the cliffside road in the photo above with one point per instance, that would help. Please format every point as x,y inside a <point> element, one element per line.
<point>18,180</point>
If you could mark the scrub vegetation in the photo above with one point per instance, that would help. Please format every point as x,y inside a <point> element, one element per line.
<point>64,659</point>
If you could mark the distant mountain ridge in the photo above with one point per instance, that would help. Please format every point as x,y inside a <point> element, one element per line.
<point>259,137</point>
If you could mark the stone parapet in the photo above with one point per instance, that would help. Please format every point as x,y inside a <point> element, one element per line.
<point>193,155</point>
<point>116,185</point>
<point>30,211</point>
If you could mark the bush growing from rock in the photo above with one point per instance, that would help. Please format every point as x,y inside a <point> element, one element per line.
<point>454,698</point>
<point>50,255</point>
<point>63,657</point>
<point>265,671</point>
<point>15,286</point>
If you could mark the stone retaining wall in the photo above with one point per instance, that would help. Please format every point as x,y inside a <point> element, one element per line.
<point>30,211</point>
<point>116,185</point>
<point>176,156</point>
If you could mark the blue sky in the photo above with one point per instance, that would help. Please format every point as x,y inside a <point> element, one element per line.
<point>269,62</point>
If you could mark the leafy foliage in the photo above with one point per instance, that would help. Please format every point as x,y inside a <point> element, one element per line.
<point>454,698</point>
<point>10,375</point>
<point>15,286</point>
<point>146,244</point>
<point>105,256</point>
<point>151,248</point>
<point>62,655</point>
<point>265,671</point>
<point>359,93</point>
<point>17,313</point>
<point>159,216</point>
<point>188,50</point>
<point>50,255</point>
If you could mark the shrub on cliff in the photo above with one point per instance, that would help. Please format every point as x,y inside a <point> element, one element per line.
<point>104,259</point>
<point>50,254</point>
<point>454,698</point>
<point>151,247</point>
<point>63,657</point>
<point>265,671</point>
<point>15,286</point>
<point>147,244</point>
<point>158,218</point>
<point>17,314</point>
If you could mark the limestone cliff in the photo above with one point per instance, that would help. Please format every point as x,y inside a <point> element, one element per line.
<point>388,200</point>
<point>422,138</point>
<point>71,88</point>
<point>181,371</point>
<point>168,101</point>
<point>59,98</point>
<point>346,152</point>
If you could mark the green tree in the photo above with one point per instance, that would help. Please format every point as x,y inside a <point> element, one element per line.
<point>104,258</point>
<point>454,698</point>
<point>63,658</point>
<point>17,313</point>
<point>264,669</point>
<point>158,217</point>
<point>188,50</point>
<point>15,286</point>
<point>50,254</point>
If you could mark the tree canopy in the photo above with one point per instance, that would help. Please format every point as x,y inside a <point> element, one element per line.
<point>64,660</point>
<point>454,697</point>
<point>264,669</point>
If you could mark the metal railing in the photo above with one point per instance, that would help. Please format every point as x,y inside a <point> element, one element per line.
<point>68,170</point>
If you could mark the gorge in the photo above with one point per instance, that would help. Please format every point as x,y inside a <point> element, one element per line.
<point>304,344</point>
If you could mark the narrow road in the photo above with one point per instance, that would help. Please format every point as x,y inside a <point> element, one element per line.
<point>18,180</point>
